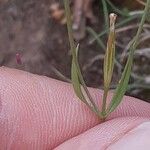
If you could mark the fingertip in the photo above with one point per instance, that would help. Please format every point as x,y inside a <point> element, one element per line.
<point>103,136</point>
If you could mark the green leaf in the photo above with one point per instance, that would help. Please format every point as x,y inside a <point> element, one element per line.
<point>79,85</point>
<point>76,82</point>
<point>106,14</point>
<point>122,86</point>
<point>75,79</point>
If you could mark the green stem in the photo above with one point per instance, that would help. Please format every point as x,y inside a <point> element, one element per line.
<point>69,27</point>
<point>105,14</point>
<point>104,102</point>
<point>73,50</point>
<point>136,40</point>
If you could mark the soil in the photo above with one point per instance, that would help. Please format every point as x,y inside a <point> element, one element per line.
<point>27,28</point>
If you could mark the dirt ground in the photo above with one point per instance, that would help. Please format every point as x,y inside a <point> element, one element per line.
<point>26,27</point>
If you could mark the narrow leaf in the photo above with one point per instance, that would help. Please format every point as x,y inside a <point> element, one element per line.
<point>122,86</point>
<point>75,79</point>
<point>80,87</point>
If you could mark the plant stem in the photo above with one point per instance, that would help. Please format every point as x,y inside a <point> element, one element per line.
<point>69,27</point>
<point>73,50</point>
<point>146,10</point>
<point>104,102</point>
<point>109,61</point>
<point>136,38</point>
<point>105,14</point>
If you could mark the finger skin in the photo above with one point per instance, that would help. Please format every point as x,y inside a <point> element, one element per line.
<point>137,138</point>
<point>37,112</point>
<point>116,134</point>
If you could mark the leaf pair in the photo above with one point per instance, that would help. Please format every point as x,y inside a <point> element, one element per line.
<point>123,83</point>
<point>79,85</point>
<point>78,82</point>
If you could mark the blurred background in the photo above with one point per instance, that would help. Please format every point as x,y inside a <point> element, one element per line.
<point>33,37</point>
